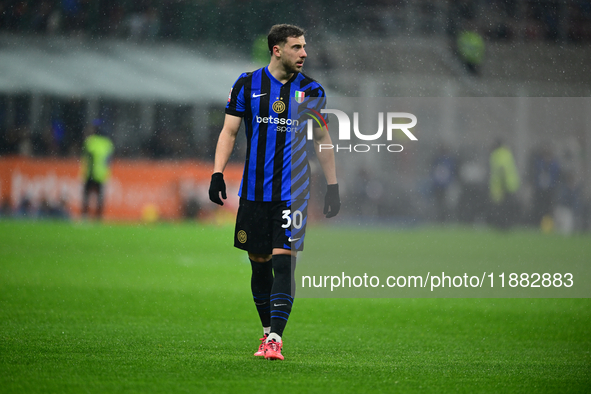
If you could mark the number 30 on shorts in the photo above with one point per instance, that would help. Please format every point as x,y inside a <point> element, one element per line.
<point>298,218</point>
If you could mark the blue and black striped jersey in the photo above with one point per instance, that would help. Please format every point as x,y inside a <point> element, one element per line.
<point>275,114</point>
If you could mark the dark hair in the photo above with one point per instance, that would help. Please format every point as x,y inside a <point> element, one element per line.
<point>279,34</point>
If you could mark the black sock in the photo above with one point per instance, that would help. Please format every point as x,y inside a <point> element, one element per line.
<point>261,282</point>
<point>282,292</point>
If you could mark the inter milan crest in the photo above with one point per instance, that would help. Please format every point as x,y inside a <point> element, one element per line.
<point>278,106</point>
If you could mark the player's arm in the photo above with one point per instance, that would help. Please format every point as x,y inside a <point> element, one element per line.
<point>223,150</point>
<point>226,142</point>
<point>325,156</point>
<point>332,202</point>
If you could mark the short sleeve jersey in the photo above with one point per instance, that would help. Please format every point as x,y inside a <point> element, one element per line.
<point>275,118</point>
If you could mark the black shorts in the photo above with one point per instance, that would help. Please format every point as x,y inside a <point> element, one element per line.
<point>263,226</point>
<point>93,186</point>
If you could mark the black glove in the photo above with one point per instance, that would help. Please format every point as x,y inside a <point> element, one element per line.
<point>216,186</point>
<point>332,200</point>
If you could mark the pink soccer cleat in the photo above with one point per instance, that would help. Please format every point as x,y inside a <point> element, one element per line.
<point>261,351</point>
<point>273,350</point>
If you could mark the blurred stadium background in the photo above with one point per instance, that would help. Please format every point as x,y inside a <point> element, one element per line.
<point>158,74</point>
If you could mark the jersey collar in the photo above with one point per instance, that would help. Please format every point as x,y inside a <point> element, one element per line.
<point>290,80</point>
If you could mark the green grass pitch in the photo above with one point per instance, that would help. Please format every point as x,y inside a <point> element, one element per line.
<point>167,308</point>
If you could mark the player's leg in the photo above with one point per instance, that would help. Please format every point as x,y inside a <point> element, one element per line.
<point>261,282</point>
<point>283,290</point>
<point>281,300</point>
<point>99,200</point>
<point>85,194</point>
<point>288,239</point>
<point>252,235</point>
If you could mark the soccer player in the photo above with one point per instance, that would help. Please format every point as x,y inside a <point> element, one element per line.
<point>96,160</point>
<point>274,193</point>
<point>503,186</point>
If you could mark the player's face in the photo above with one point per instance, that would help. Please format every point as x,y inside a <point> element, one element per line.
<point>293,54</point>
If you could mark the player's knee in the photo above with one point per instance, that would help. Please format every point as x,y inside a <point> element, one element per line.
<point>287,252</point>
<point>259,258</point>
<point>282,264</point>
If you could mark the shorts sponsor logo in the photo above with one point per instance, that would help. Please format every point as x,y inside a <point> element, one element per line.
<point>241,236</point>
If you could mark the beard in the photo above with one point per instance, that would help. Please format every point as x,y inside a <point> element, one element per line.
<point>291,67</point>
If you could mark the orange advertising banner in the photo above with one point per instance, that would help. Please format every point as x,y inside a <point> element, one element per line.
<point>137,189</point>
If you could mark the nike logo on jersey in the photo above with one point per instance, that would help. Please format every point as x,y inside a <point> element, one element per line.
<point>279,304</point>
<point>290,239</point>
<point>254,95</point>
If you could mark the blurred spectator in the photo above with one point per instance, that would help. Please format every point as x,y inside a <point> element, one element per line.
<point>25,208</point>
<point>569,208</point>
<point>10,141</point>
<point>74,117</point>
<point>111,16</point>
<point>144,25</point>
<point>473,182</point>
<point>503,185</point>
<point>152,23</point>
<point>188,20</point>
<point>367,195</point>
<point>25,144</point>
<point>159,144</point>
<point>470,48</point>
<point>443,174</point>
<point>189,196</point>
<point>96,160</point>
<point>172,15</point>
<point>3,13</point>
<point>551,21</point>
<point>357,196</point>
<point>5,208</point>
<point>75,15</point>
<point>44,144</point>
<point>53,210</point>
<point>260,50</point>
<point>546,176</point>
<point>14,14</point>
<point>58,132</point>
<point>465,9</point>
<point>41,18</point>
<point>44,208</point>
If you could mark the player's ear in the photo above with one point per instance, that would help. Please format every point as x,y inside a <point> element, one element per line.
<point>277,50</point>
